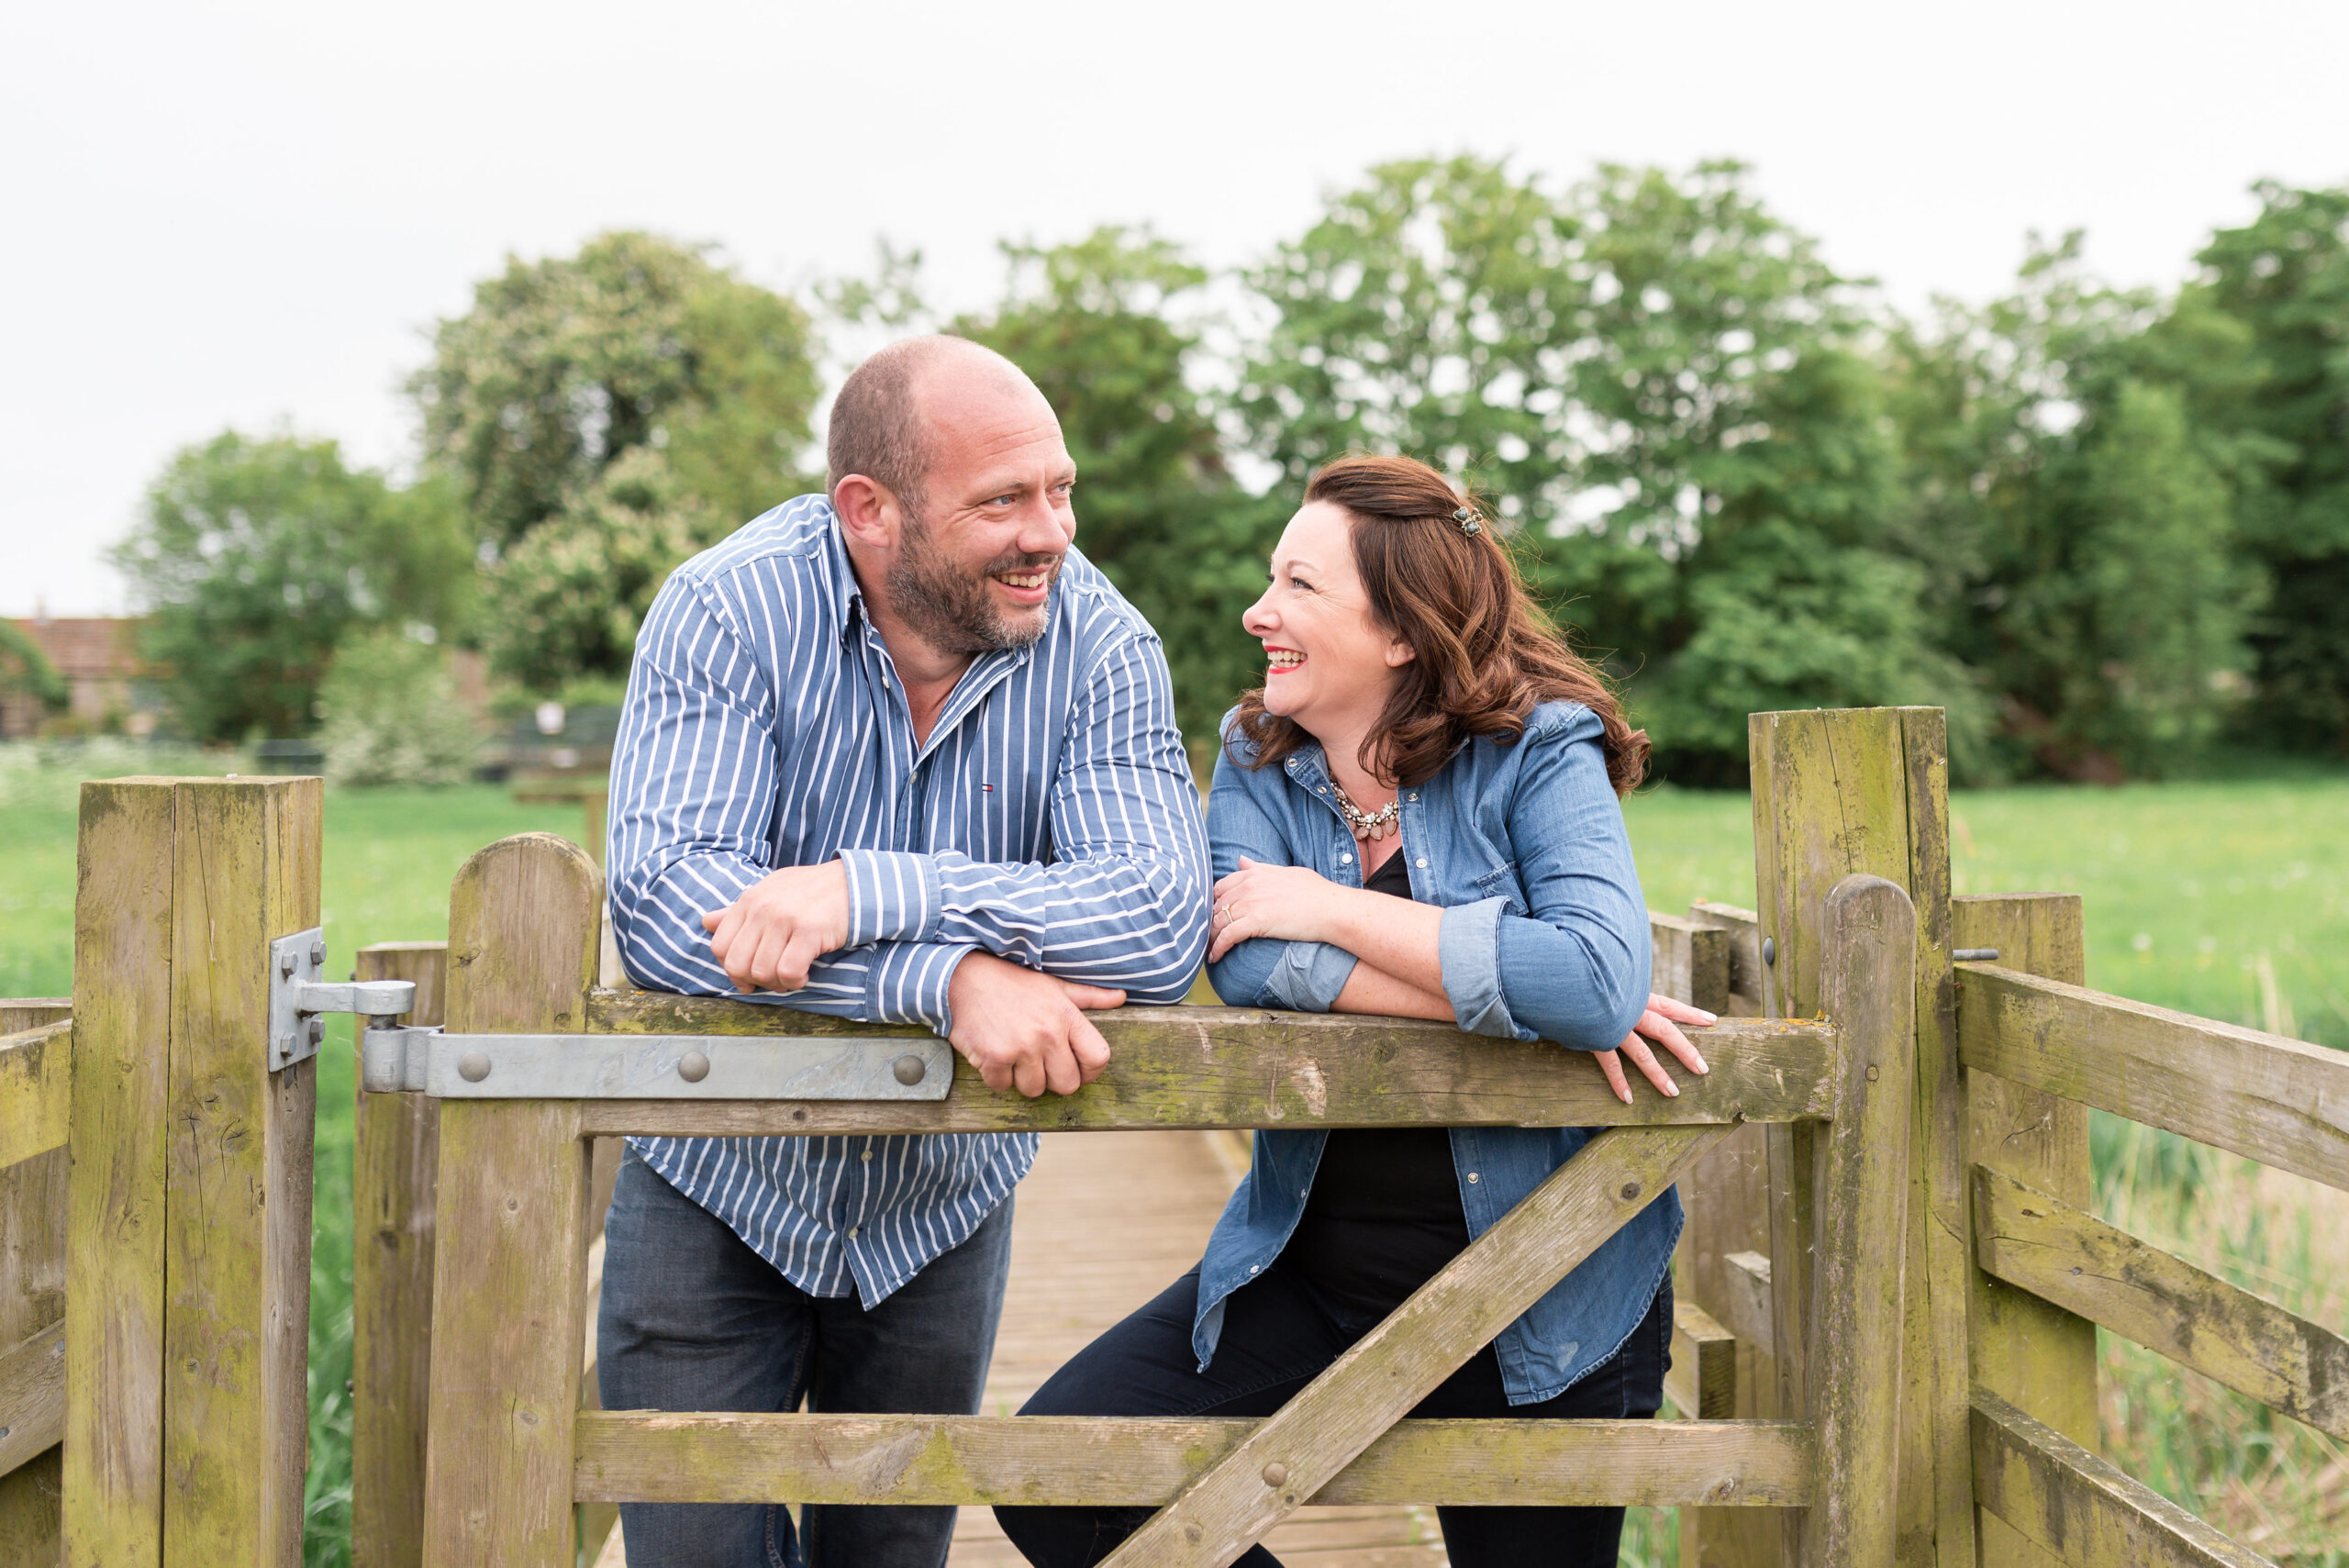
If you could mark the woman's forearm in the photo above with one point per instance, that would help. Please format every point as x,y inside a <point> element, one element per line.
<point>1396,935</point>
<point>1369,989</point>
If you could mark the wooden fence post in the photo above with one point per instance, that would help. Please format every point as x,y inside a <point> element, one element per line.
<point>32,1302</point>
<point>189,1281</point>
<point>1866,790</point>
<point>1701,959</point>
<point>506,1320</point>
<point>113,1473</point>
<point>2030,1352</point>
<point>1856,1330</point>
<point>395,1167</point>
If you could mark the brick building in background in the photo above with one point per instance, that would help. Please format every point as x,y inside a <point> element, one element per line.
<point>108,686</point>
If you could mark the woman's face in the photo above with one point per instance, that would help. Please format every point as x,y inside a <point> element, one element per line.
<point>1328,664</point>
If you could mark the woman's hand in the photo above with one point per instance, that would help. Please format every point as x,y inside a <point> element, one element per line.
<point>1288,904</point>
<point>1657,1024</point>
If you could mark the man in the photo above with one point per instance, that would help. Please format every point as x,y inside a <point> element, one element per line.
<point>896,752</point>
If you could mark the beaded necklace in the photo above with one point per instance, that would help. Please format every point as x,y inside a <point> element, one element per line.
<point>1369,825</point>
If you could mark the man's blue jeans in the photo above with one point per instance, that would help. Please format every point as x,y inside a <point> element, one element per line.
<point>694,1320</point>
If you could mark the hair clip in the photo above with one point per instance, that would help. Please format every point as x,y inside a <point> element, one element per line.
<point>1470,523</point>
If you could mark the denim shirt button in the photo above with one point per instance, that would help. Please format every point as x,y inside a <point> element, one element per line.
<point>1422,863</point>
<point>1252,1268</point>
<point>1345,860</point>
<point>1472,1178</point>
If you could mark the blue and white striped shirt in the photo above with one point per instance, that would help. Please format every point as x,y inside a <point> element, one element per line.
<point>1051,819</point>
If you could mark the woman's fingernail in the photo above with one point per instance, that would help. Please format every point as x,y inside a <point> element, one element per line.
<point>1700,1065</point>
<point>1712,1018</point>
<point>1672,1090</point>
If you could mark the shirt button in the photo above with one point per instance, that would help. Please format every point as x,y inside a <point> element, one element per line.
<point>1413,796</point>
<point>1472,1182</point>
<point>852,1230</point>
<point>1345,860</point>
<point>867,1155</point>
<point>1421,863</point>
<point>1252,1268</point>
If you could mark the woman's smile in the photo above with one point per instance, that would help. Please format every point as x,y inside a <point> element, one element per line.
<point>1280,660</point>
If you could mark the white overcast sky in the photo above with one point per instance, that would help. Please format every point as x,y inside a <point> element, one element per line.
<point>248,214</point>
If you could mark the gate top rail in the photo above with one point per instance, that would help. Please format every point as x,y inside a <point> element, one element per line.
<point>1170,1068</point>
<point>2280,1101</point>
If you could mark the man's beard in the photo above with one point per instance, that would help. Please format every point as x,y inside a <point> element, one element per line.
<point>949,607</point>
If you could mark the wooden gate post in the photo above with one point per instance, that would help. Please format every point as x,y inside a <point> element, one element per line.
<point>2031,1352</point>
<point>395,1167</point>
<point>1854,1347</point>
<point>187,1305</point>
<point>507,1317</point>
<point>1866,790</point>
<point>32,1312</point>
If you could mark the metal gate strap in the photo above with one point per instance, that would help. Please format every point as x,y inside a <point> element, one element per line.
<point>653,1066</point>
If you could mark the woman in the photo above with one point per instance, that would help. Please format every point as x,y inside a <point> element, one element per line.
<point>1416,814</point>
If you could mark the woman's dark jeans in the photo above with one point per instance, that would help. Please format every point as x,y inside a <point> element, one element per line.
<point>1278,1336</point>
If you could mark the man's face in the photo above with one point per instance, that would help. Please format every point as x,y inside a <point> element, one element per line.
<point>974,569</point>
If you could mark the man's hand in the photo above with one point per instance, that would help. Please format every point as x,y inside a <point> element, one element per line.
<point>1656,1023</point>
<point>766,940</point>
<point>1026,1030</point>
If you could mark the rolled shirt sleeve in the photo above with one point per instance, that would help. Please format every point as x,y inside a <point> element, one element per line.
<point>693,792</point>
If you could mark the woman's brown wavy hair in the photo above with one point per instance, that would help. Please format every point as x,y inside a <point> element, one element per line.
<point>1486,655</point>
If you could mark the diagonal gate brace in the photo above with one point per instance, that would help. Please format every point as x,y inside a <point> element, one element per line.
<point>1297,1451</point>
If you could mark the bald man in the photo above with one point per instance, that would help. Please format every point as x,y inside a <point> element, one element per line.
<point>893,752</point>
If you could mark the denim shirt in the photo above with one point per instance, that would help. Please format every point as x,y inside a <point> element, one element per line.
<point>1544,936</point>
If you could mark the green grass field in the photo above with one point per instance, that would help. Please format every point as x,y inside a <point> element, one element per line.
<point>2227,899</point>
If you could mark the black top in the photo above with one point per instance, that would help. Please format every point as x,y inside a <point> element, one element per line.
<point>1382,1215</point>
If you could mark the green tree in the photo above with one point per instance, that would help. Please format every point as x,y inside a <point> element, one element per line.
<point>1667,389</point>
<point>393,716</point>
<point>253,559</point>
<point>1104,327</point>
<point>2284,278</point>
<point>25,670</point>
<point>563,366</point>
<point>2074,523</point>
<point>565,603</point>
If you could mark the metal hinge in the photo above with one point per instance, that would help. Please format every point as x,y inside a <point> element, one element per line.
<point>298,998</point>
<point>653,1066</point>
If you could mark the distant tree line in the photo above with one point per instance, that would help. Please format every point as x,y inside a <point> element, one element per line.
<point>2107,529</point>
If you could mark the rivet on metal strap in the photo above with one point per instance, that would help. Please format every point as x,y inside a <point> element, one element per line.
<point>693,1067</point>
<point>908,1070</point>
<point>473,1067</point>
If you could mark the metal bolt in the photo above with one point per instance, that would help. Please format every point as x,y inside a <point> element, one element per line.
<point>1872,1072</point>
<point>909,1070</point>
<point>319,951</point>
<point>1276,1472</point>
<point>1769,950</point>
<point>1974,955</point>
<point>472,1067</point>
<point>693,1067</point>
<point>318,1031</point>
<point>1631,1191</point>
<point>286,966</point>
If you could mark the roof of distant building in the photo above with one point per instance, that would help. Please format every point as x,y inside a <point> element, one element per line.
<point>88,647</point>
